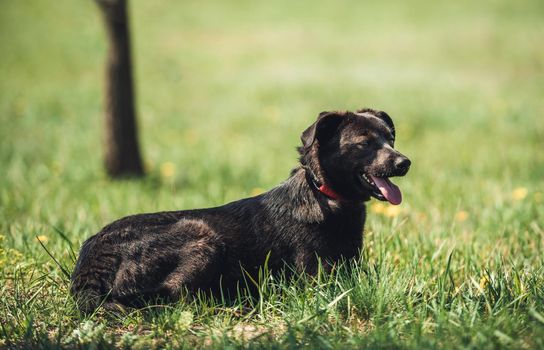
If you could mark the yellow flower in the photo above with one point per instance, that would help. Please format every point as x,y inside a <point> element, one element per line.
<point>461,215</point>
<point>519,193</point>
<point>392,211</point>
<point>256,191</point>
<point>42,238</point>
<point>377,207</point>
<point>484,281</point>
<point>168,169</point>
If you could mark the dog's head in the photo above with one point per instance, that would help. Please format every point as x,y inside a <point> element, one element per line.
<point>353,154</point>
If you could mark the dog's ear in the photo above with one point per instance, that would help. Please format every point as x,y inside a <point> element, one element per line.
<point>325,126</point>
<point>387,119</point>
<point>383,116</point>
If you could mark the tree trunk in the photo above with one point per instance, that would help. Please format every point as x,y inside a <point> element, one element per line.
<point>122,153</point>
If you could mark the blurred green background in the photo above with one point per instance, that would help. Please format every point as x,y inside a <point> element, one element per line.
<point>224,89</point>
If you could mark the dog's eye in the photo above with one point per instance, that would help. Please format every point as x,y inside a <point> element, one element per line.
<point>363,144</point>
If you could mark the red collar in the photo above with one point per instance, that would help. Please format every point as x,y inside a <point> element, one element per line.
<point>329,192</point>
<point>321,187</point>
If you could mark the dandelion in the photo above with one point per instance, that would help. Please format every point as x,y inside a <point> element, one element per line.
<point>484,282</point>
<point>42,238</point>
<point>461,215</point>
<point>377,208</point>
<point>256,191</point>
<point>168,169</point>
<point>519,193</point>
<point>392,211</point>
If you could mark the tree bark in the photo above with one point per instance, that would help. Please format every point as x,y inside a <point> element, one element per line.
<point>122,152</point>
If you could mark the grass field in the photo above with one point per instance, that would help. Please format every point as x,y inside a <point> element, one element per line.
<point>224,90</point>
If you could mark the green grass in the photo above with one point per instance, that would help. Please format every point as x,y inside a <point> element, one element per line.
<point>224,90</point>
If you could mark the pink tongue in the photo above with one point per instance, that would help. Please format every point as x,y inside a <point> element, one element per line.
<point>389,190</point>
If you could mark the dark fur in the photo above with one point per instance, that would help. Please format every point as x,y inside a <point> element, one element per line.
<point>146,256</point>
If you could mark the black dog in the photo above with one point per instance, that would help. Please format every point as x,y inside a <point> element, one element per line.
<point>318,212</point>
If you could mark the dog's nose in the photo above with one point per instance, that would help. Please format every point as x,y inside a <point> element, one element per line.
<point>402,163</point>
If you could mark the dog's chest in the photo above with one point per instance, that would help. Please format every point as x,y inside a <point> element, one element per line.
<point>339,237</point>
